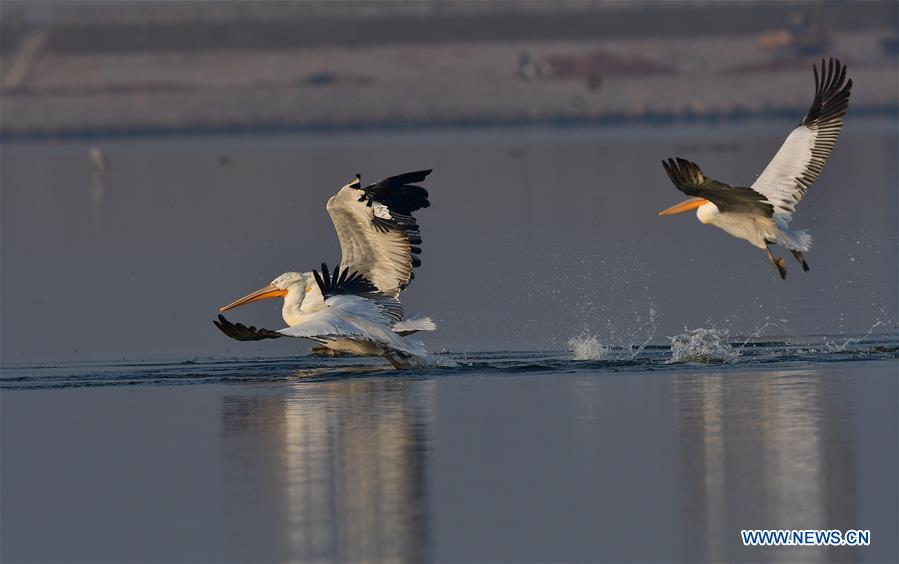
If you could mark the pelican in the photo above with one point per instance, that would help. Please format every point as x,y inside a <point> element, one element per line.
<point>355,308</point>
<point>761,214</point>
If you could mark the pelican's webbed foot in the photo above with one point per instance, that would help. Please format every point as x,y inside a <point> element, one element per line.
<point>801,259</point>
<point>779,263</point>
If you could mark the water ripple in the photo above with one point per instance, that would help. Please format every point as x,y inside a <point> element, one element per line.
<point>686,352</point>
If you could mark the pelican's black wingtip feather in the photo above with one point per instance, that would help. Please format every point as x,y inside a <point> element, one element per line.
<point>240,332</point>
<point>399,193</point>
<point>832,76</point>
<point>408,177</point>
<point>319,281</point>
<point>832,90</point>
<point>342,282</point>
<point>671,168</point>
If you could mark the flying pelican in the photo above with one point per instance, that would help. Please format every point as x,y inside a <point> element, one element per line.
<point>355,309</point>
<point>761,214</point>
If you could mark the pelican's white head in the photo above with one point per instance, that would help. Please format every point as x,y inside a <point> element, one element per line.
<point>289,280</point>
<point>292,286</point>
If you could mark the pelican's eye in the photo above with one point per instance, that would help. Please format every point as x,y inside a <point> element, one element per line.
<point>308,289</point>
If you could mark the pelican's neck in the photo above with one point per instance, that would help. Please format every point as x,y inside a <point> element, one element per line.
<point>707,213</point>
<point>290,311</point>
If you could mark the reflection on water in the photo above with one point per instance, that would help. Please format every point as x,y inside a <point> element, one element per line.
<point>332,471</point>
<point>774,451</point>
<point>551,466</point>
<point>352,469</point>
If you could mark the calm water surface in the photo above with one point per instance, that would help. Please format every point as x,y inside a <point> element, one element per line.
<point>479,457</point>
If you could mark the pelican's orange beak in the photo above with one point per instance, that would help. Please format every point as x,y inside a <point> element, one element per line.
<point>688,205</point>
<point>260,294</point>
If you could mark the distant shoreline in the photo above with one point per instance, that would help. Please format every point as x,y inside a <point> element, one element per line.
<point>159,69</point>
<point>650,119</point>
<point>164,26</point>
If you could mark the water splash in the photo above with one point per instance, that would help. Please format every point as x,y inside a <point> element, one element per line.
<point>703,345</point>
<point>444,360</point>
<point>757,333</point>
<point>831,346</point>
<point>652,331</point>
<point>588,347</point>
<point>620,345</point>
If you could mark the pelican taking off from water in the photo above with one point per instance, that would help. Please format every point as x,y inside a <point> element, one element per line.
<point>355,309</point>
<point>761,213</point>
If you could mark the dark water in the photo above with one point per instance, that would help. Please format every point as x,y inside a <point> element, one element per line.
<point>476,457</point>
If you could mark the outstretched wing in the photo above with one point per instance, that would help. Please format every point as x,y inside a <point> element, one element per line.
<point>800,159</point>
<point>379,237</point>
<point>689,179</point>
<point>241,332</point>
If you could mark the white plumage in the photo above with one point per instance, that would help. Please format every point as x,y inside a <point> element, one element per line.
<point>778,182</point>
<point>354,318</point>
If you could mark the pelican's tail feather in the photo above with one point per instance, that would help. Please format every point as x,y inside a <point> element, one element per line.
<point>414,324</point>
<point>794,239</point>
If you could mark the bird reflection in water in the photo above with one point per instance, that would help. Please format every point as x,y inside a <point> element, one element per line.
<point>340,372</point>
<point>771,438</point>
<point>332,470</point>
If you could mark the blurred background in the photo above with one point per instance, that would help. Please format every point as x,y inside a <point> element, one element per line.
<point>160,159</point>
